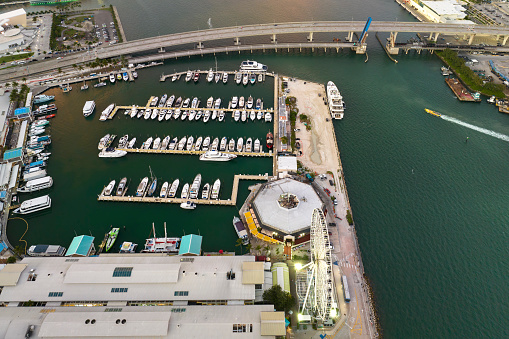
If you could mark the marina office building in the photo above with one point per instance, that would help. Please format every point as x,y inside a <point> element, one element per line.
<point>140,296</point>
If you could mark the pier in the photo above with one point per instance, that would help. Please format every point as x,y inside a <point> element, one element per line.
<point>230,202</point>
<point>186,152</point>
<point>459,90</point>
<point>180,74</point>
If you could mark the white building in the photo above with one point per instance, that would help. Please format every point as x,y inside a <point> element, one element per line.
<point>443,11</point>
<point>137,296</point>
<point>16,17</point>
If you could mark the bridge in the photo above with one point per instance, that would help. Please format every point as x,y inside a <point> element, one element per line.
<point>260,36</point>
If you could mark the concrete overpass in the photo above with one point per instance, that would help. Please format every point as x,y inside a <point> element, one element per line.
<point>200,42</point>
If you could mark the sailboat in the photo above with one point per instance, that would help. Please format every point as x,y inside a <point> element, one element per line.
<point>161,245</point>
<point>153,184</point>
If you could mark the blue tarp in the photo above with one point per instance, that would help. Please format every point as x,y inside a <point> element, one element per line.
<point>22,110</point>
<point>496,71</point>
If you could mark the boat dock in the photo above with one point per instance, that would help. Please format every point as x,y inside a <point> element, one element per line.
<point>180,74</point>
<point>230,202</point>
<point>158,151</point>
<point>459,90</point>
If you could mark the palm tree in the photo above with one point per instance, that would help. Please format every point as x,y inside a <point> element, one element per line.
<point>258,248</point>
<point>14,84</point>
<point>24,80</point>
<point>239,243</point>
<point>267,249</point>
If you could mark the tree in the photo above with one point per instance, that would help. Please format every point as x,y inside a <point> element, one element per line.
<point>24,80</point>
<point>282,301</point>
<point>284,140</point>
<point>258,248</point>
<point>14,84</point>
<point>11,259</point>
<point>239,243</point>
<point>14,95</point>
<point>59,70</point>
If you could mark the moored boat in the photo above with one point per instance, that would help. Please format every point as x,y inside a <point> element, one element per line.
<point>240,144</point>
<point>106,113</point>
<point>88,108</point>
<point>223,144</point>
<point>185,191</point>
<point>249,145</point>
<point>112,236</point>
<point>195,187</point>
<point>173,189</point>
<point>142,187</point>
<point>127,246</point>
<point>188,205</point>
<point>269,140</point>
<point>121,186</point>
<point>46,251</point>
<point>238,225</point>
<point>335,101</point>
<point>108,189</point>
<point>164,190</point>
<point>216,156</point>
<point>34,205</point>
<point>205,193</point>
<point>206,144</point>
<point>256,147</point>
<point>215,189</point>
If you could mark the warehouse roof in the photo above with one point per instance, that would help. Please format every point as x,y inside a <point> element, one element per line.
<point>10,274</point>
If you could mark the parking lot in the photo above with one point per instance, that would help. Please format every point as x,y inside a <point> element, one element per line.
<point>104,29</point>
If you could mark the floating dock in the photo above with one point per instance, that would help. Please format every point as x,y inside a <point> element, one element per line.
<point>230,202</point>
<point>158,151</point>
<point>180,74</point>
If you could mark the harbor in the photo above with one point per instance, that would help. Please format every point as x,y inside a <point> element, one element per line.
<point>186,152</point>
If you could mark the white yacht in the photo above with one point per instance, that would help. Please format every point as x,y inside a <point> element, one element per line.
<point>210,76</point>
<point>225,78</point>
<point>195,187</point>
<point>88,108</point>
<point>215,189</point>
<point>245,79</point>
<point>205,193</point>
<point>256,147</point>
<point>236,115</point>
<point>109,189</point>
<point>243,117</point>
<point>168,115</point>
<point>252,115</point>
<point>182,144</point>
<point>162,114</point>
<point>34,205</point>
<point>250,101</point>
<point>165,142</point>
<point>186,102</point>
<point>197,145</point>
<point>185,191</point>
<point>147,114</point>
<point>188,205</point>
<point>194,103</point>
<point>206,144</point>
<point>183,116</point>
<point>249,65</point>
<point>238,78</point>
<point>221,115</point>
<point>210,102</point>
<point>231,145</point>
<point>133,112</point>
<point>192,114</point>
<point>206,116</point>
<point>37,184</point>
<point>164,190</point>
<point>104,140</point>
<point>106,113</point>
<point>217,77</point>
<point>268,117</point>
<point>111,152</point>
<point>173,188</point>
<point>217,103</point>
<point>131,143</point>
<point>157,143</point>
<point>241,102</point>
<point>154,114</point>
<point>169,102</point>
<point>259,115</point>
<point>190,142</point>
<point>216,156</point>
<point>235,101</point>
<point>147,143</point>
<point>240,144</point>
<point>176,114</point>
<point>214,115</point>
<point>112,78</point>
<point>198,115</point>
<point>335,100</point>
<point>214,145</point>
<point>142,187</point>
<point>224,142</point>
<point>249,145</point>
<point>189,75</point>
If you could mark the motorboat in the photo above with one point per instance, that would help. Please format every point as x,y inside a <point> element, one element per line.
<point>206,116</point>
<point>141,112</point>
<point>189,76</point>
<point>173,188</point>
<point>225,77</point>
<point>197,145</point>
<point>196,77</point>
<point>217,103</point>
<point>240,144</point>
<point>162,114</point>
<point>206,144</point>
<point>238,78</point>
<point>210,76</point>
<point>249,65</point>
<point>186,102</point>
<point>238,225</point>
<point>36,185</point>
<point>205,193</point>
<point>157,143</point>
<point>119,76</point>
<point>112,78</point>
<point>190,142</point>
<point>221,116</point>
<point>106,113</point>
<point>223,144</point>
<point>148,113</point>
<point>169,114</point>
<point>154,101</point>
<point>182,144</point>
<point>131,143</point>
<point>243,116</point>
<point>258,103</point>
<point>173,144</point>
<point>178,102</point>
<point>188,205</point>
<point>195,187</point>
<point>215,144</point>
<point>260,77</point>
<point>164,190</point>
<point>252,115</point>
<point>135,74</point>
<point>111,152</point>
<point>34,205</point>
<point>125,76</point>
<point>185,192</point>
<point>231,145</point>
<point>249,145</point>
<point>245,79</point>
<point>249,103</point>
<point>127,246</point>
<point>256,147</point>
<point>241,102</point>
<point>46,251</point>
<point>214,115</point>
<point>122,142</point>
<point>198,115</point>
<point>174,78</point>
<point>215,189</point>
<point>121,186</point>
<point>112,236</point>
<point>154,114</point>
<point>163,100</point>
<point>236,115</point>
<point>170,101</point>
<point>176,114</point>
<point>216,156</point>
<point>217,77</point>
<point>252,78</point>
<point>133,111</point>
<point>235,102</point>
<point>335,101</point>
<point>103,141</point>
<point>269,140</point>
<point>108,189</point>
<point>45,109</point>
<point>194,103</point>
<point>42,98</point>
<point>183,116</point>
<point>165,142</point>
<point>192,114</point>
<point>147,143</point>
<point>88,108</point>
<point>259,115</point>
<point>268,117</point>
<point>210,102</point>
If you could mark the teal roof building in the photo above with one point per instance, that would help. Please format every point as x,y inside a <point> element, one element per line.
<point>13,154</point>
<point>190,245</point>
<point>81,246</point>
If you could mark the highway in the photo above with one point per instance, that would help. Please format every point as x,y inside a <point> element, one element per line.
<point>187,40</point>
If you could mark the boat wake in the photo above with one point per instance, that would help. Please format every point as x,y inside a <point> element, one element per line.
<point>477,128</point>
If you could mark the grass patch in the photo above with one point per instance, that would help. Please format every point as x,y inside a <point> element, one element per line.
<point>9,58</point>
<point>349,217</point>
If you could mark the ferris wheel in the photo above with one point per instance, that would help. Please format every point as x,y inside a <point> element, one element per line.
<point>319,295</point>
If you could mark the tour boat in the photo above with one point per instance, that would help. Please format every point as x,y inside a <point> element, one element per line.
<point>36,185</point>
<point>88,108</point>
<point>109,189</point>
<point>205,193</point>
<point>216,156</point>
<point>249,65</point>
<point>112,236</point>
<point>215,189</point>
<point>121,186</point>
<point>164,190</point>
<point>173,188</point>
<point>34,205</point>
<point>185,191</point>
<point>335,101</point>
<point>42,98</point>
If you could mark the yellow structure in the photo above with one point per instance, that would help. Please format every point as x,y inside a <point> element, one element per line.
<point>254,229</point>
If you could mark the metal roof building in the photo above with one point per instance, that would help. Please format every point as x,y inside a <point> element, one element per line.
<point>14,154</point>
<point>190,245</point>
<point>80,246</point>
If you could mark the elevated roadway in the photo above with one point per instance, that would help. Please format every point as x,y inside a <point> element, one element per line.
<point>266,34</point>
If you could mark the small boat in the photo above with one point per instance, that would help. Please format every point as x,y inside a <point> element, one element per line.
<point>238,78</point>
<point>205,193</point>
<point>112,78</point>
<point>121,186</point>
<point>260,77</point>
<point>195,187</point>
<point>249,103</point>
<point>252,79</point>
<point>190,142</point>
<point>183,116</point>
<point>491,100</point>
<point>249,145</point>
<point>256,147</point>
<point>216,156</point>
<point>173,189</point>
<point>238,225</point>
<point>217,103</point>
<point>206,116</point>
<point>157,143</point>
<point>125,76</point>
<point>210,102</point>
<point>108,189</point>
<point>84,87</point>
<point>217,77</point>
<point>198,115</point>
<point>215,189</point>
<point>258,103</point>
<point>119,76</point>
<point>103,141</point>
<point>240,144</point>
<point>224,142</point>
<point>163,100</point>
<point>243,117</point>
<point>252,115</point>
<point>241,102</point>
<point>154,114</point>
<point>235,102</point>
<point>176,114</point>
<point>182,143</point>
<point>164,190</point>
<point>106,113</point>
<point>141,112</point>
<point>188,205</point>
<point>162,114</point>
<point>194,103</point>
<point>67,88</point>
<point>135,74</point>
<point>133,111</point>
<point>185,192</point>
<point>245,79</point>
<point>236,115</point>
<point>206,144</point>
<point>154,101</point>
<point>269,140</point>
<point>210,76</point>
<point>268,117</point>
<point>189,76</point>
<point>165,142</point>
<point>174,78</point>
<point>178,102</point>
<point>112,236</point>
<point>214,115</point>
<point>225,78</point>
<point>214,145</point>
<point>170,101</point>
<point>47,117</point>
<point>197,145</point>
<point>127,246</point>
<point>433,112</point>
<point>169,114</point>
<point>173,144</point>
<point>111,152</point>
<point>147,143</point>
<point>192,114</point>
<point>221,116</point>
<point>186,102</point>
<point>122,142</point>
<point>100,84</point>
<point>231,145</point>
<point>196,77</point>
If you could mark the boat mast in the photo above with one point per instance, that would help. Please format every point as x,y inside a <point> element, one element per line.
<point>165,235</point>
<point>154,230</point>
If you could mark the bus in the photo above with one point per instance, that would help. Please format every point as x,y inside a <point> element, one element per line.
<point>346,291</point>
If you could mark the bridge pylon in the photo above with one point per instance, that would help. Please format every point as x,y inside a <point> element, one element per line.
<point>310,37</point>
<point>391,44</point>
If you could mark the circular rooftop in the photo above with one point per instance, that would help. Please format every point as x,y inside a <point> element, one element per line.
<point>12,32</point>
<point>286,205</point>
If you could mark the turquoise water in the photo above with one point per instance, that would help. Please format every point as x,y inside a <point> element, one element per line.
<point>430,208</point>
